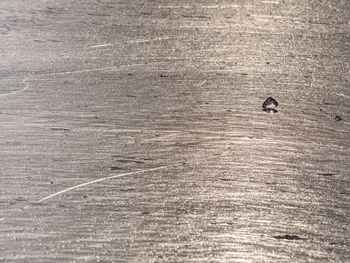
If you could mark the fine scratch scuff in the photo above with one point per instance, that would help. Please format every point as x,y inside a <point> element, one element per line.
<point>2,219</point>
<point>90,70</point>
<point>80,71</point>
<point>17,91</point>
<point>342,95</point>
<point>102,45</point>
<point>104,179</point>
<point>135,41</point>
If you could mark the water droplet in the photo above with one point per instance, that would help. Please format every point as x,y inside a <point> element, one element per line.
<point>270,105</point>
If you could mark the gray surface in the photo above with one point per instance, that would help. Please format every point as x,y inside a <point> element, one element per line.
<point>138,85</point>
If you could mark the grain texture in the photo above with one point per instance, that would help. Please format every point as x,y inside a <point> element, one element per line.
<point>133,131</point>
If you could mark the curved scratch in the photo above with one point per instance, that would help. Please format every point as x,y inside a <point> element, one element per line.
<point>104,179</point>
<point>81,71</point>
<point>18,91</point>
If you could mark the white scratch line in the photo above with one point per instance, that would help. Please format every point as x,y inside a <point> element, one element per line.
<point>17,91</point>
<point>135,41</point>
<point>102,45</point>
<point>2,219</point>
<point>161,137</point>
<point>342,95</point>
<point>104,179</point>
<point>80,71</point>
<point>270,2</point>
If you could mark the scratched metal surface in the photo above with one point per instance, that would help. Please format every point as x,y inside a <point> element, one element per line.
<point>152,111</point>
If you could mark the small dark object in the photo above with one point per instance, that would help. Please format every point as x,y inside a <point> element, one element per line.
<point>327,174</point>
<point>270,105</point>
<point>59,129</point>
<point>338,118</point>
<point>289,237</point>
<point>115,168</point>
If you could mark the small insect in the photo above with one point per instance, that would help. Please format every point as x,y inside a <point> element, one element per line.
<point>338,118</point>
<point>270,105</point>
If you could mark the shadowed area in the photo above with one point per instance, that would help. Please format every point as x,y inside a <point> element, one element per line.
<point>133,131</point>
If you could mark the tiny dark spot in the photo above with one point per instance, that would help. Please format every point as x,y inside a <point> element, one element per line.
<point>289,237</point>
<point>338,118</point>
<point>321,110</point>
<point>344,193</point>
<point>244,74</point>
<point>130,96</point>
<point>128,189</point>
<point>163,76</point>
<point>51,182</point>
<point>326,174</point>
<point>227,179</point>
<point>267,62</point>
<point>229,110</point>
<point>115,168</point>
<point>59,129</point>
<point>130,74</point>
<point>85,196</point>
<point>21,199</point>
<point>145,213</point>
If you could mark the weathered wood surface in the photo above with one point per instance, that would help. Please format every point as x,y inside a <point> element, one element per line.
<point>109,88</point>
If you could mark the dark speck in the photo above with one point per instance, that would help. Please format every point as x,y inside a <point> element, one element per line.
<point>326,174</point>
<point>21,199</point>
<point>163,76</point>
<point>59,129</point>
<point>338,118</point>
<point>115,168</point>
<point>270,105</point>
<point>289,237</point>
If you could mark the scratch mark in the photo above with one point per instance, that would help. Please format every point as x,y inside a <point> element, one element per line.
<point>313,80</point>
<point>200,85</point>
<point>18,91</point>
<point>342,95</point>
<point>136,41</point>
<point>270,2</point>
<point>2,219</point>
<point>161,137</point>
<point>91,70</point>
<point>102,45</point>
<point>80,71</point>
<point>104,179</point>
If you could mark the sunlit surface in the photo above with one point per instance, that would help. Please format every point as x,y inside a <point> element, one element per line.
<point>133,131</point>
